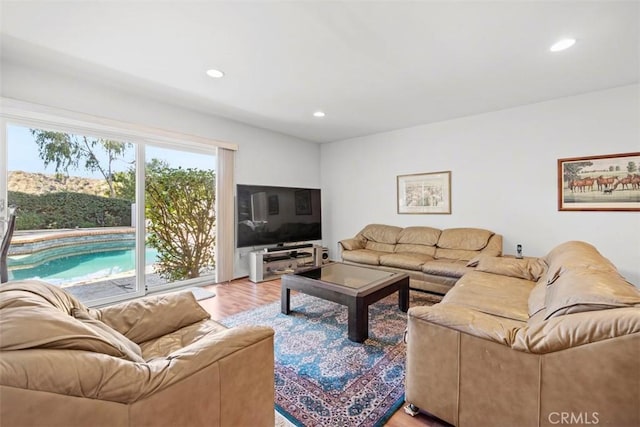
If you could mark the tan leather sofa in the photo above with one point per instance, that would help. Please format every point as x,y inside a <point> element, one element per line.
<point>156,361</point>
<point>533,342</point>
<point>434,259</point>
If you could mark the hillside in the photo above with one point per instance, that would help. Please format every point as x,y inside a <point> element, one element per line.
<point>39,183</point>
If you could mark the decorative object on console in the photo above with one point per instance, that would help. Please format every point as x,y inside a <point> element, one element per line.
<point>599,183</point>
<point>325,255</point>
<point>425,193</point>
<point>519,251</point>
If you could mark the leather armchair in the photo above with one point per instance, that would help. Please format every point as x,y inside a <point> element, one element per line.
<point>157,361</point>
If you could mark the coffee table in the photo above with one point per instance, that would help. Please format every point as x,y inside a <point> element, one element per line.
<point>350,285</point>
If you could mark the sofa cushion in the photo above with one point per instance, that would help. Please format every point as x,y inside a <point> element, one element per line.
<point>419,236</point>
<point>153,316</point>
<point>455,254</point>
<point>45,315</point>
<point>536,299</point>
<point>409,261</point>
<point>163,346</point>
<point>528,268</point>
<point>446,267</point>
<point>574,254</point>
<point>381,233</point>
<point>494,294</point>
<point>379,247</point>
<point>47,327</point>
<point>415,249</point>
<point>37,293</point>
<point>472,239</point>
<point>130,349</point>
<point>363,256</point>
<point>585,289</point>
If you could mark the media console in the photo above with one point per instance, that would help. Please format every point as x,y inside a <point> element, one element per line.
<point>270,263</point>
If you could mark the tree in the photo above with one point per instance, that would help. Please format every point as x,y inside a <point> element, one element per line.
<point>631,167</point>
<point>572,170</point>
<point>68,151</point>
<point>180,208</point>
<point>125,182</point>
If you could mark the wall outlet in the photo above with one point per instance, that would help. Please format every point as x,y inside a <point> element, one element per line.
<point>518,251</point>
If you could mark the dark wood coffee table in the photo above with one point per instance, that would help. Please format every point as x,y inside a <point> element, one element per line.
<point>350,285</point>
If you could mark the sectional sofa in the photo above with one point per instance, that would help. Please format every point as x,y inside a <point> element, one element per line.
<point>434,259</point>
<point>531,342</point>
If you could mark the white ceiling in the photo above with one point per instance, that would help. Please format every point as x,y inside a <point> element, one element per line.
<point>371,66</point>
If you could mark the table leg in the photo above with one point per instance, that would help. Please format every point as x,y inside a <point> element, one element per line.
<point>403,296</point>
<point>285,298</point>
<point>358,320</point>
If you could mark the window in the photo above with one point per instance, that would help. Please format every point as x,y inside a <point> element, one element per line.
<point>109,210</point>
<point>74,227</point>
<point>180,210</point>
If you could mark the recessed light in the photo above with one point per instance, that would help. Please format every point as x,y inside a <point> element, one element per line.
<point>562,45</point>
<point>216,74</point>
<point>319,114</point>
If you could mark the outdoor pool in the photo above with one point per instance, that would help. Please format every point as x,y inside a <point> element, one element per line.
<point>79,267</point>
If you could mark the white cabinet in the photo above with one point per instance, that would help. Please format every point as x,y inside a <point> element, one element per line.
<point>264,265</point>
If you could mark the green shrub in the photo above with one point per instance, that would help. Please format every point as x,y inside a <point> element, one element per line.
<point>68,210</point>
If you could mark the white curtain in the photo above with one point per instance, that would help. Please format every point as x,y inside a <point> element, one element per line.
<point>225,246</point>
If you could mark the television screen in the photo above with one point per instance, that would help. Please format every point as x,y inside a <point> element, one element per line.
<point>277,215</point>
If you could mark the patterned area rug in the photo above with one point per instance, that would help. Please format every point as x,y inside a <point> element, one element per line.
<point>324,379</point>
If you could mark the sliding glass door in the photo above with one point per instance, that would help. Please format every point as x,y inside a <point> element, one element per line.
<point>74,226</point>
<point>107,218</point>
<point>180,216</point>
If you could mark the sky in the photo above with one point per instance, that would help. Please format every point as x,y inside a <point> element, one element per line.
<point>23,156</point>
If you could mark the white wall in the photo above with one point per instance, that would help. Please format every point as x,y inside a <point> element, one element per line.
<point>503,163</point>
<point>263,157</point>
<point>504,172</point>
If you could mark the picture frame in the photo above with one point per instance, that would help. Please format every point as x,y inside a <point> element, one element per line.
<point>303,202</point>
<point>609,182</point>
<point>424,193</point>
<point>273,204</point>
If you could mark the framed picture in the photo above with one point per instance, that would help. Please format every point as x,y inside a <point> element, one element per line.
<point>599,183</point>
<point>425,193</point>
<point>303,202</point>
<point>273,204</point>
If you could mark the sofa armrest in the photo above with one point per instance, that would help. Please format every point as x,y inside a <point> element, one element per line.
<point>468,321</point>
<point>351,244</point>
<point>147,318</point>
<point>99,376</point>
<point>572,330</point>
<point>494,246</point>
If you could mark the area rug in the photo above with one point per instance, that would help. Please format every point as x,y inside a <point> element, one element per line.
<point>321,377</point>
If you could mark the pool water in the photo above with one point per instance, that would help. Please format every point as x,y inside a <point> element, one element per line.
<point>83,267</point>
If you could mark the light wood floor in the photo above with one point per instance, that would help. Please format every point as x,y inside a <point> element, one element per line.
<point>241,295</point>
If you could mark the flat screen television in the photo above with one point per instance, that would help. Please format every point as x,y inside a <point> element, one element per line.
<point>277,215</point>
